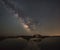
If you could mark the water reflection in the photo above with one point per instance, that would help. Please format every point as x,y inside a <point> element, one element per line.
<point>35,43</point>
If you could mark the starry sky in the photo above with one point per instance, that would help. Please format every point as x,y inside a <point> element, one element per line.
<point>29,17</point>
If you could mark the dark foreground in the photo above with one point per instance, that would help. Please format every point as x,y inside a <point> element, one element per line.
<point>30,43</point>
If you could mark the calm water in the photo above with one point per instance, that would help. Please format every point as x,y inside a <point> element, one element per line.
<point>52,43</point>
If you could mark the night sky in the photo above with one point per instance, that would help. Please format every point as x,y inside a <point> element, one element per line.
<point>29,17</point>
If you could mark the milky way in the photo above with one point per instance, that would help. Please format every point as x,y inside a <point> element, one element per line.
<point>29,24</point>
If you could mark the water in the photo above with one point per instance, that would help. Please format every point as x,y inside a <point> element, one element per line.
<point>51,43</point>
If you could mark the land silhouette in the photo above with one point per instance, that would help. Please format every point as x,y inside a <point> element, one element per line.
<point>34,42</point>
